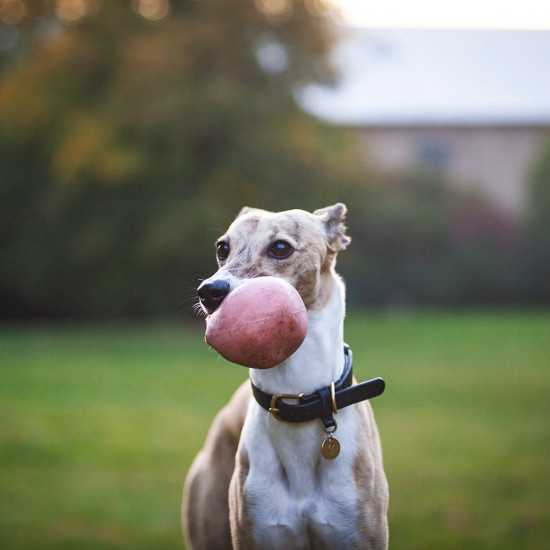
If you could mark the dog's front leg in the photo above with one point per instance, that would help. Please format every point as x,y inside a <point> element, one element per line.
<point>240,522</point>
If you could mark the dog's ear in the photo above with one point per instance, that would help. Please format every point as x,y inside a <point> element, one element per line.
<point>247,209</point>
<point>333,218</point>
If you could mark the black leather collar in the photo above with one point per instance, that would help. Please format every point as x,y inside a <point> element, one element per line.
<point>324,402</point>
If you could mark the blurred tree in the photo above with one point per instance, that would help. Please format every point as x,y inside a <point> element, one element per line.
<point>131,131</point>
<point>418,239</point>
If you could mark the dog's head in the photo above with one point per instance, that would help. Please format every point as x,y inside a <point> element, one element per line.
<point>296,245</point>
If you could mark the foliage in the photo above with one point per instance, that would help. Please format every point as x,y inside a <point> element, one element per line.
<point>126,144</point>
<point>419,239</point>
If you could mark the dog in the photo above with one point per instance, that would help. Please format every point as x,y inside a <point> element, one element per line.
<point>261,482</point>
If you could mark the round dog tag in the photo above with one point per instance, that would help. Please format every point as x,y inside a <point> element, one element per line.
<point>330,448</point>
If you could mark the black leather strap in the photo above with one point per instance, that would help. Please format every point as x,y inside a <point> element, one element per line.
<point>319,404</point>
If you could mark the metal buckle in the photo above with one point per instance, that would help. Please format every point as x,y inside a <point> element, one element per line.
<point>333,397</point>
<point>273,405</point>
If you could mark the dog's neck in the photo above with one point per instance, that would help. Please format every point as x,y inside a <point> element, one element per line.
<point>320,359</point>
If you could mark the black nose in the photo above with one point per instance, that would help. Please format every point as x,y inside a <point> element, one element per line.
<point>211,294</point>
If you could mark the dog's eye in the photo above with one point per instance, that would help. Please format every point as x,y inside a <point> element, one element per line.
<point>280,250</point>
<point>222,250</point>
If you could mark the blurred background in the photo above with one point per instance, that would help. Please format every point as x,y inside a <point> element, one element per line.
<point>131,134</point>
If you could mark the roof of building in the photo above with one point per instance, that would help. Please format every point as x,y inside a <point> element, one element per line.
<point>391,77</point>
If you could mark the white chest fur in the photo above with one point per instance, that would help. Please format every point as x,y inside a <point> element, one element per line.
<point>297,498</point>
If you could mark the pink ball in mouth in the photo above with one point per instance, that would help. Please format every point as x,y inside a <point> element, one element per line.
<point>259,324</point>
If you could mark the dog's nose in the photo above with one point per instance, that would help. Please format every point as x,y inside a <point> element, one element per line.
<point>211,294</point>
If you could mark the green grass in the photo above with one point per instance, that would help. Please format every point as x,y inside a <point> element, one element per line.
<point>98,426</point>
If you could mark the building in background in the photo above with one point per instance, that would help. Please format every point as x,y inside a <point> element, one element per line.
<point>471,105</point>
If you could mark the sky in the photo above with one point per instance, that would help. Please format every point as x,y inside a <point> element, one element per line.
<point>438,14</point>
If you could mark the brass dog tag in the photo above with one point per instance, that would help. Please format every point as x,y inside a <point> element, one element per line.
<point>330,448</point>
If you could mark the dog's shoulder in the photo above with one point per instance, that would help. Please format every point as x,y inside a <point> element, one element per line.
<point>227,426</point>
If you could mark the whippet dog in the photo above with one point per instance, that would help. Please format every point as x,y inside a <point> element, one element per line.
<point>270,475</point>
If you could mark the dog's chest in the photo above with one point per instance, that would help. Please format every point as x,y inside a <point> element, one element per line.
<point>297,498</point>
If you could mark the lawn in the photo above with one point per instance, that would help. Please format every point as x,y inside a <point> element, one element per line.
<point>100,423</point>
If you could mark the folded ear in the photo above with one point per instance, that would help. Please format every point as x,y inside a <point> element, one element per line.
<point>333,219</point>
<point>247,210</point>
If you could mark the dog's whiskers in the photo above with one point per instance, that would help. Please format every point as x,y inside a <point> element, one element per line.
<point>198,310</point>
<point>190,305</point>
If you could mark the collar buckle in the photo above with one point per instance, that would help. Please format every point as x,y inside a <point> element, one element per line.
<point>333,397</point>
<point>273,405</point>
